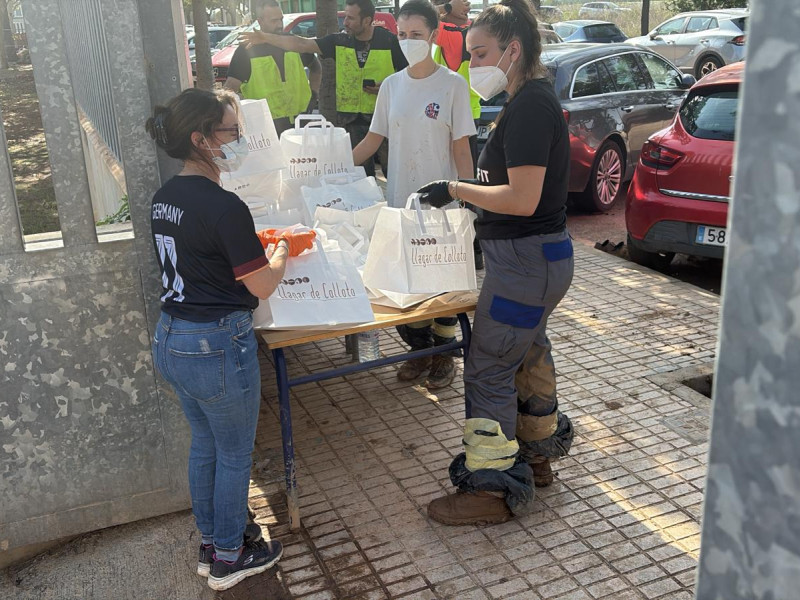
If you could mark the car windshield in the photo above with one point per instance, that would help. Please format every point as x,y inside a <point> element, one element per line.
<point>602,31</point>
<point>232,37</point>
<point>711,114</point>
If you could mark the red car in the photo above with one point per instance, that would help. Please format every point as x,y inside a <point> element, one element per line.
<point>302,24</point>
<point>678,198</point>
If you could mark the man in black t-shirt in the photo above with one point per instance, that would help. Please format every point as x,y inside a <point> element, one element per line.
<point>266,71</point>
<point>365,55</point>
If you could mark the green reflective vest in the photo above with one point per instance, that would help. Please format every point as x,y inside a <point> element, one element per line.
<point>463,70</point>
<point>350,94</point>
<point>285,98</point>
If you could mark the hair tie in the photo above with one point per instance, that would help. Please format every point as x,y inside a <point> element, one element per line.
<point>161,130</point>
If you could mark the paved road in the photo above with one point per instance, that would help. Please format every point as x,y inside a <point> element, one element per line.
<point>592,228</point>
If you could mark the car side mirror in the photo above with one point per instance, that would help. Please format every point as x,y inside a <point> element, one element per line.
<point>654,36</point>
<point>687,81</point>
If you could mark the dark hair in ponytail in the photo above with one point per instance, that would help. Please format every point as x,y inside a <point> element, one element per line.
<point>515,20</point>
<point>172,125</point>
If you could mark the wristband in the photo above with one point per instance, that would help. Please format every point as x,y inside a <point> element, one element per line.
<point>454,194</point>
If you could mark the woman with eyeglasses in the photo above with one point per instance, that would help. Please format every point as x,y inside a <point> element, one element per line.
<point>213,271</point>
<point>513,426</point>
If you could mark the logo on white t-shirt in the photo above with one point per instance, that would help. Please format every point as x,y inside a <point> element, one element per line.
<point>432,111</point>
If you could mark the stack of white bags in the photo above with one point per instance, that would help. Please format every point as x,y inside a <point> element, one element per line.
<point>365,251</point>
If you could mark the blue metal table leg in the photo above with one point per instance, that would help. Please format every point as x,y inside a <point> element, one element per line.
<point>466,333</point>
<point>286,410</point>
<point>286,436</point>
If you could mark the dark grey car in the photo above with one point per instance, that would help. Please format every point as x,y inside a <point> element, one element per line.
<point>613,97</point>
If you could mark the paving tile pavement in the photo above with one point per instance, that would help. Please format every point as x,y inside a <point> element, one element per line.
<point>621,521</point>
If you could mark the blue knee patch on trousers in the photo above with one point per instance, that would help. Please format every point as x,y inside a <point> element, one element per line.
<point>515,314</point>
<point>554,251</point>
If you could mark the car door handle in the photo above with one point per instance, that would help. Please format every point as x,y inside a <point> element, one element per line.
<point>672,106</point>
<point>627,108</point>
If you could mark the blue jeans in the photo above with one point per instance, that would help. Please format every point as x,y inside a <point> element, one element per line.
<point>214,370</point>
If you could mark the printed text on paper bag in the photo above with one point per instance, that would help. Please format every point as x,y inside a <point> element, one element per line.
<point>310,290</point>
<point>258,142</point>
<point>428,254</point>
<point>308,167</point>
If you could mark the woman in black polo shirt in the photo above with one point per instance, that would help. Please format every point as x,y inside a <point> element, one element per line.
<point>513,425</point>
<point>213,270</point>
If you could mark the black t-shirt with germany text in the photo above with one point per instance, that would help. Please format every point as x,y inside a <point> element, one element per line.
<point>205,242</point>
<point>532,131</point>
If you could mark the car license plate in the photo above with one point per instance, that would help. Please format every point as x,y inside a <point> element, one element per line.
<point>483,132</point>
<point>711,236</point>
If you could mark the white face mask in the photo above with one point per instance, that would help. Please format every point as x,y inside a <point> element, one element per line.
<point>415,51</point>
<point>489,81</point>
<point>234,155</point>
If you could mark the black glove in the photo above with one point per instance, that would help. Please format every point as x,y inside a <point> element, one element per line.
<point>435,193</point>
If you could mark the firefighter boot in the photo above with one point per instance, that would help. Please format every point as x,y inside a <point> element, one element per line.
<point>443,371</point>
<point>542,473</point>
<point>470,508</point>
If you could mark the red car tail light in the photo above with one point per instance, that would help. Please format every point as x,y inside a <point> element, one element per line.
<point>566,115</point>
<point>657,156</point>
<point>739,40</point>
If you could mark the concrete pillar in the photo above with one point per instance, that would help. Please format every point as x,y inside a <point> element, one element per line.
<point>751,525</point>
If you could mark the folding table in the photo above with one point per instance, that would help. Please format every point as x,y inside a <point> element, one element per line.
<point>446,305</point>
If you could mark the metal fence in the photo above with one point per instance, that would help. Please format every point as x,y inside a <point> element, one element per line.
<point>87,54</point>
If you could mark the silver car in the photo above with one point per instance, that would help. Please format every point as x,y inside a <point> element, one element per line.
<point>601,10</point>
<point>699,42</point>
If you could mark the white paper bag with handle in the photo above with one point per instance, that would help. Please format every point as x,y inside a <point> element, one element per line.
<point>416,251</point>
<point>348,239</point>
<point>316,148</point>
<point>267,205</point>
<point>292,195</point>
<point>320,289</point>
<point>342,192</point>
<point>253,187</point>
<point>363,220</point>
<point>263,143</point>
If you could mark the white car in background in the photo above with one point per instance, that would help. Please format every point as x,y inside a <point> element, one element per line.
<point>699,42</point>
<point>215,35</point>
<point>601,10</point>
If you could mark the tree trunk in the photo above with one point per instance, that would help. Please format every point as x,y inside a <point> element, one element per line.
<point>327,22</point>
<point>645,17</point>
<point>9,53</point>
<point>202,46</point>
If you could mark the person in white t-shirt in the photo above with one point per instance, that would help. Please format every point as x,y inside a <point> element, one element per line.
<point>424,111</point>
